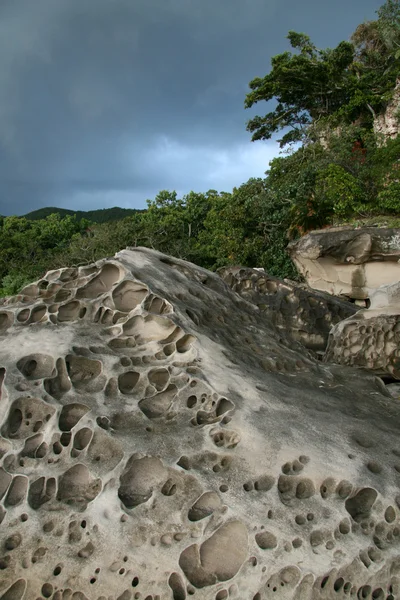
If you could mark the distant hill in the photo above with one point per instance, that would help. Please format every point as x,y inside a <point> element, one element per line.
<point>102,215</point>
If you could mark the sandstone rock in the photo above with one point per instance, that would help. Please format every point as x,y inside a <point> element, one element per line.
<point>386,296</point>
<point>394,390</point>
<point>348,262</point>
<point>303,313</point>
<point>161,439</point>
<point>370,339</point>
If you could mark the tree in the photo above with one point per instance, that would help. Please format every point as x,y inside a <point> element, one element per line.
<point>377,57</point>
<point>348,84</point>
<point>308,85</point>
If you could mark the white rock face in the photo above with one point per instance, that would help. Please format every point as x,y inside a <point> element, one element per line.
<point>348,262</point>
<point>386,296</point>
<point>387,124</point>
<point>160,439</point>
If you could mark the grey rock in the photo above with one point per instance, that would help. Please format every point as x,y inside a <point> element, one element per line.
<point>370,339</point>
<point>305,314</point>
<point>190,446</point>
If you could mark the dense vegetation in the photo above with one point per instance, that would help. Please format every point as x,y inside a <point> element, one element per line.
<point>335,169</point>
<point>101,215</point>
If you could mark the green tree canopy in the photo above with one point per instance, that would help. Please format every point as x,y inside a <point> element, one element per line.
<point>307,86</point>
<point>342,85</point>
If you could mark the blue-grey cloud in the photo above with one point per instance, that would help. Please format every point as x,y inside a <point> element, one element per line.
<point>105,102</point>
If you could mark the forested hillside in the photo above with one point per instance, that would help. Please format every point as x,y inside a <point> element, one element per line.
<point>101,215</point>
<point>338,166</point>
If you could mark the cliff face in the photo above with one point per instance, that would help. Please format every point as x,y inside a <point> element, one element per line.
<point>387,124</point>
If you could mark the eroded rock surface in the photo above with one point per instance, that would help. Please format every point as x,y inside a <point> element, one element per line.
<point>161,439</point>
<point>348,262</point>
<point>370,339</point>
<point>307,315</point>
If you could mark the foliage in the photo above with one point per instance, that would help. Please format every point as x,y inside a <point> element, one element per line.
<point>13,282</point>
<point>339,190</point>
<point>341,85</point>
<point>26,247</point>
<point>307,86</point>
<point>103,215</point>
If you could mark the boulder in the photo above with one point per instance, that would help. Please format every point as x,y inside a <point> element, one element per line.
<point>370,339</point>
<point>348,262</point>
<point>305,314</point>
<point>161,439</point>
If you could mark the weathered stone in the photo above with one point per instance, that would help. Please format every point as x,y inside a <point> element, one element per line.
<point>163,438</point>
<point>348,262</point>
<point>305,314</point>
<point>370,339</point>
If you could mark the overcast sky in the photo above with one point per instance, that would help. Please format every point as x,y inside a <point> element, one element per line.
<point>105,102</point>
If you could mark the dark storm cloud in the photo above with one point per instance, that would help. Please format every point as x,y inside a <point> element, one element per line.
<point>105,102</point>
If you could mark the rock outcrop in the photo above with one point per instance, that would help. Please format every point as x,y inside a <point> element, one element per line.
<point>160,439</point>
<point>304,314</point>
<point>371,338</point>
<point>348,262</point>
<point>387,123</point>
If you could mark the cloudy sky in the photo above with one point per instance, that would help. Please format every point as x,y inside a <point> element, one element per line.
<point>105,102</point>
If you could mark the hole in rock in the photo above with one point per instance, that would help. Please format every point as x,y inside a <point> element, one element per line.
<point>23,315</point>
<point>184,343</point>
<point>324,581</point>
<point>158,378</point>
<point>127,382</point>
<point>359,506</point>
<point>69,311</point>
<point>191,401</point>
<point>101,283</point>
<point>6,320</point>
<point>70,415</point>
<point>128,294</point>
<point>38,313</point>
<point>15,420</point>
<point>65,439</point>
<point>339,583</point>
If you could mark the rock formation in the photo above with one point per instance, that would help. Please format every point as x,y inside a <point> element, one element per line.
<point>387,123</point>
<point>348,262</point>
<point>305,314</point>
<point>371,338</point>
<point>161,439</point>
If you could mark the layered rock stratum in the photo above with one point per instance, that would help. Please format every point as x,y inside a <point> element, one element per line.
<point>161,438</point>
<point>344,261</point>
